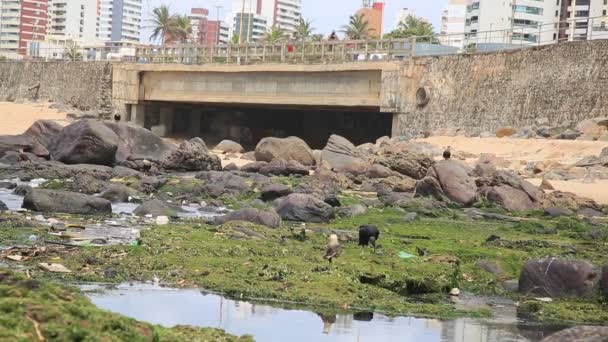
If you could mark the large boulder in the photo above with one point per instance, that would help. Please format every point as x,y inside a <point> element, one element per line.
<point>218,183</point>
<point>116,193</point>
<point>86,142</point>
<point>136,142</point>
<point>291,148</point>
<point>229,146</point>
<point>557,278</point>
<point>44,131</point>
<point>304,208</point>
<point>156,208</point>
<point>272,191</point>
<point>343,156</point>
<point>268,218</point>
<point>448,180</point>
<point>192,155</point>
<point>51,201</point>
<point>405,158</point>
<point>25,143</point>
<point>280,167</point>
<point>580,334</point>
<point>511,192</point>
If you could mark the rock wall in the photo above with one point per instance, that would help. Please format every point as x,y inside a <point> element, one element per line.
<point>562,83</point>
<point>83,86</point>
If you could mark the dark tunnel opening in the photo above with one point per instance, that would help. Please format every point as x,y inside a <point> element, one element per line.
<point>249,124</point>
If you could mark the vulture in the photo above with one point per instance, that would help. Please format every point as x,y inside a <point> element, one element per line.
<point>333,248</point>
<point>447,154</point>
<point>117,118</point>
<point>368,234</point>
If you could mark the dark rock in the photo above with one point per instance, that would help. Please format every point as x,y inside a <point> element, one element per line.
<point>253,167</point>
<point>589,212</point>
<point>489,267</point>
<point>229,146</point>
<point>51,201</point>
<point>3,206</point>
<point>455,180</point>
<point>118,193</point>
<point>150,184</point>
<point>44,131</point>
<point>270,192</point>
<point>156,208</point>
<point>231,167</point>
<point>110,273</point>
<point>557,278</point>
<point>430,187</point>
<point>568,135</point>
<point>192,155</point>
<point>7,185</point>
<point>136,142</point>
<point>509,198</point>
<point>580,334</point>
<point>21,190</point>
<point>405,159</point>
<point>268,218</point>
<point>290,148</point>
<point>305,208</point>
<point>25,143</point>
<point>333,201</point>
<point>85,142</point>
<point>124,172</point>
<point>544,132</point>
<point>558,212</point>
<point>604,282</point>
<point>588,161</point>
<point>218,183</point>
<point>280,167</point>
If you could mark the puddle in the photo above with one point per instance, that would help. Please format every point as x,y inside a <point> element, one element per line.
<point>12,201</point>
<point>171,307</point>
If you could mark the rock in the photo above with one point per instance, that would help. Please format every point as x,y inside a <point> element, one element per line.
<point>270,192</point>
<point>378,171</point>
<point>219,183</point>
<point>405,158</point>
<point>229,146</point>
<point>580,334</point>
<point>542,121</point>
<point>455,292</point>
<point>556,278</point>
<point>248,156</point>
<point>509,198</point>
<point>343,156</point>
<point>527,132</point>
<point>505,132</point>
<point>253,167</point>
<point>21,190</point>
<point>489,267</point>
<point>544,132</point>
<point>3,206</point>
<point>305,208</point>
<point>604,282</point>
<point>7,185</point>
<point>558,212</point>
<point>448,180</point>
<point>485,169</point>
<point>280,167</point>
<point>25,143</point>
<point>588,161</point>
<point>156,208</point>
<point>568,135</point>
<point>44,131</point>
<point>546,185</point>
<point>150,184</point>
<point>291,148</point>
<point>590,130</point>
<point>589,213</point>
<point>568,200</point>
<point>268,218</point>
<point>118,193</point>
<point>352,211</point>
<point>604,153</point>
<point>333,201</point>
<point>85,142</point>
<point>162,220</point>
<point>136,142</point>
<point>192,155</point>
<point>411,217</point>
<point>51,201</point>
<point>231,167</point>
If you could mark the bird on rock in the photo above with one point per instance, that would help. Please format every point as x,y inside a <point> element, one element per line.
<point>117,118</point>
<point>368,235</point>
<point>447,154</point>
<point>333,248</point>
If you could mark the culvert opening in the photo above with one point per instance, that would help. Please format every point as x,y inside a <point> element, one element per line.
<point>249,124</point>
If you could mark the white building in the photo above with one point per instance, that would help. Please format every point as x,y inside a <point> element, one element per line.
<point>452,23</point>
<point>518,22</point>
<point>252,31</point>
<point>21,22</point>
<point>119,20</point>
<point>282,13</point>
<point>224,33</point>
<point>402,14</point>
<point>73,19</point>
<point>584,19</point>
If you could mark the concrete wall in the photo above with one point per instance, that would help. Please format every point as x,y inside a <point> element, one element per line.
<point>85,86</point>
<point>564,83</point>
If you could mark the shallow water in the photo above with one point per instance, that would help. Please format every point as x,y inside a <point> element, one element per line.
<point>171,307</point>
<point>12,201</point>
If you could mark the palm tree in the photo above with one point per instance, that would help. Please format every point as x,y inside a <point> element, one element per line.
<point>357,28</point>
<point>316,37</point>
<point>275,35</point>
<point>304,29</point>
<point>414,27</point>
<point>182,28</point>
<point>235,38</point>
<point>162,23</point>
<point>72,53</point>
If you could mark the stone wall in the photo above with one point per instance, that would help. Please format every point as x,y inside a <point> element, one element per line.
<point>78,85</point>
<point>563,83</point>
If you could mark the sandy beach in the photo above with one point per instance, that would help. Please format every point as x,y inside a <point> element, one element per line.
<point>16,118</point>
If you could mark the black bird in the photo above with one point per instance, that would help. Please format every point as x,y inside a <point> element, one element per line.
<point>447,154</point>
<point>368,234</point>
<point>117,117</point>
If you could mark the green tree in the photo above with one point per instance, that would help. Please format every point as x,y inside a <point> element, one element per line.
<point>357,28</point>
<point>316,37</point>
<point>235,38</point>
<point>163,24</point>
<point>72,53</point>
<point>414,27</point>
<point>304,29</point>
<point>182,28</point>
<point>275,35</point>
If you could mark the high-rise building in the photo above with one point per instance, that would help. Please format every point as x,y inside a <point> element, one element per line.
<point>119,20</point>
<point>21,22</point>
<point>452,23</point>
<point>285,14</point>
<point>374,15</point>
<point>216,32</point>
<point>255,26</point>
<point>73,19</point>
<point>198,19</point>
<point>402,14</point>
<point>575,23</point>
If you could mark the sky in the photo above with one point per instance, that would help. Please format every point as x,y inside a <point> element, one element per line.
<point>327,15</point>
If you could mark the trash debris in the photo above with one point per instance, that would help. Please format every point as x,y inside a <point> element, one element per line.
<point>544,299</point>
<point>33,238</point>
<point>455,292</point>
<point>405,255</point>
<point>162,220</point>
<point>15,257</point>
<point>54,268</point>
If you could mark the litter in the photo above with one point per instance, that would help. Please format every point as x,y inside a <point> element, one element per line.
<point>404,255</point>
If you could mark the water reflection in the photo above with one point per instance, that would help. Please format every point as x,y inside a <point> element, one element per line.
<point>170,307</point>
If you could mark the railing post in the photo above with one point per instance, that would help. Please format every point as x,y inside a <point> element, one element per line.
<point>322,50</point>
<point>590,27</point>
<point>540,30</point>
<point>303,50</point>
<point>283,53</point>
<point>246,53</point>
<point>389,50</point>
<point>413,47</point>
<point>344,52</point>
<point>228,53</point>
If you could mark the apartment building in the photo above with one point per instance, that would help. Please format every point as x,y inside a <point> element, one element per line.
<point>73,19</point>
<point>453,20</point>
<point>21,22</point>
<point>373,13</point>
<point>119,20</point>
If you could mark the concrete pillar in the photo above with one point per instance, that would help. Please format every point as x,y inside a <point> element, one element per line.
<point>138,115</point>
<point>195,122</point>
<point>396,129</point>
<point>165,127</point>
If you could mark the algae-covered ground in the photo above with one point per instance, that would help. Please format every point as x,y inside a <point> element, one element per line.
<point>32,310</point>
<point>248,261</point>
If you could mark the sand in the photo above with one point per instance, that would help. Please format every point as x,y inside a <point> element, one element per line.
<point>597,191</point>
<point>16,118</point>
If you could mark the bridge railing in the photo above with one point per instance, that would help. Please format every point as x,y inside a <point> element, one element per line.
<point>336,51</point>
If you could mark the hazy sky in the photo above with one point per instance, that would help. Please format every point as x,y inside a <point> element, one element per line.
<point>327,15</point>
